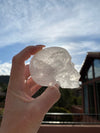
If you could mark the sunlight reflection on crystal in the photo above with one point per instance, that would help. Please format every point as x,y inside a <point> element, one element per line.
<point>53,65</point>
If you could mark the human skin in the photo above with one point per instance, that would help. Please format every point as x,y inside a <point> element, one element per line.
<point>24,114</point>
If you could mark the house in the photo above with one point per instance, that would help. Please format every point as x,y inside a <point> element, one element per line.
<point>90,78</point>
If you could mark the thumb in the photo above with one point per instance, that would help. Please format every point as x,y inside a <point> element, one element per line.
<point>48,98</point>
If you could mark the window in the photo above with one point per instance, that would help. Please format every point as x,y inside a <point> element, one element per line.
<point>97,67</point>
<point>85,78</point>
<point>98,97</point>
<point>85,91</point>
<point>91,99</point>
<point>90,73</point>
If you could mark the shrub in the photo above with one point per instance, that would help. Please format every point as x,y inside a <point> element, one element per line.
<point>59,117</point>
<point>1,111</point>
<point>59,110</point>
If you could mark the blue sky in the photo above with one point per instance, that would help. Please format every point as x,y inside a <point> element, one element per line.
<point>72,24</point>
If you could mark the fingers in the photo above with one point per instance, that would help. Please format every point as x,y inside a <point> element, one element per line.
<point>18,66</point>
<point>34,89</point>
<point>27,72</point>
<point>48,98</point>
<point>31,91</point>
<point>26,53</point>
<point>30,83</point>
<point>31,87</point>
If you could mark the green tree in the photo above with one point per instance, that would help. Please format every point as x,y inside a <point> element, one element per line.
<point>66,99</point>
<point>3,87</point>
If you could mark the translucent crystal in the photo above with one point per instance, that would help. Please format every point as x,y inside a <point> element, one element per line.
<point>53,65</point>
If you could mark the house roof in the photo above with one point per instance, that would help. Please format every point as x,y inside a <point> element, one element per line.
<point>87,62</point>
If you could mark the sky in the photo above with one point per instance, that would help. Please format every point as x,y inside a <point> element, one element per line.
<point>71,24</point>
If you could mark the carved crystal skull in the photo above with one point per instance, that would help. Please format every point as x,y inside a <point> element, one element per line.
<point>53,65</point>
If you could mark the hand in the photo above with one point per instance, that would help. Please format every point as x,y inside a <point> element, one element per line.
<point>23,114</point>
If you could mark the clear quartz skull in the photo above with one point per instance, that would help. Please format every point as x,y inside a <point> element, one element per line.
<point>53,65</point>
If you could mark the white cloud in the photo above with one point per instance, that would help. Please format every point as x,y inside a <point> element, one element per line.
<point>71,24</point>
<point>78,67</point>
<point>5,68</point>
<point>46,21</point>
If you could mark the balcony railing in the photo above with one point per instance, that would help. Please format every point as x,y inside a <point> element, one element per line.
<point>72,118</point>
